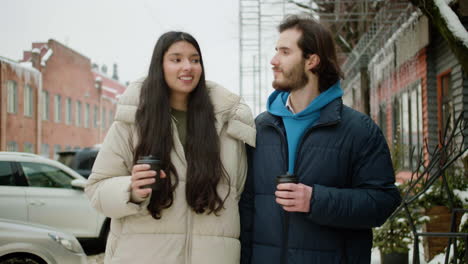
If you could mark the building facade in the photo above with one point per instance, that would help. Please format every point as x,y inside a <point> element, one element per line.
<point>415,83</point>
<point>53,100</point>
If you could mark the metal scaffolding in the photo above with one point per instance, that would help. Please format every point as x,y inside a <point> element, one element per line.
<point>374,20</point>
<point>257,25</point>
<point>386,22</point>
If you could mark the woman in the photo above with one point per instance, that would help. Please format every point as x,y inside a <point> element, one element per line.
<point>198,130</point>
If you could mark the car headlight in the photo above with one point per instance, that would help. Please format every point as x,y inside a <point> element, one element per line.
<point>69,244</point>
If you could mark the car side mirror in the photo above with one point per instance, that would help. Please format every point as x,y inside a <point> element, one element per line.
<point>78,184</point>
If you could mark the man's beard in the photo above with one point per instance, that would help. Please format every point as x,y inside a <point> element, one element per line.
<point>292,80</point>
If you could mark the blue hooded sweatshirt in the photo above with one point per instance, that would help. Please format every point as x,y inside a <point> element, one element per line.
<point>296,124</point>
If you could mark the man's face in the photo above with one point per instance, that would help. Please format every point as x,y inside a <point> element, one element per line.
<point>288,63</point>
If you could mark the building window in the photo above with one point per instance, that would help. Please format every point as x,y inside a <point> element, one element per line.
<point>68,111</point>
<point>111,117</point>
<point>45,105</point>
<point>410,134</point>
<point>96,113</point>
<point>103,118</point>
<point>45,150</point>
<point>86,116</point>
<point>57,149</point>
<point>445,107</point>
<point>383,120</point>
<point>58,108</point>
<point>28,147</point>
<point>28,101</point>
<point>78,113</point>
<point>12,93</point>
<point>12,146</point>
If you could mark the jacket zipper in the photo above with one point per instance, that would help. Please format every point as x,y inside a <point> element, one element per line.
<point>309,130</point>
<point>284,243</point>
<point>285,231</point>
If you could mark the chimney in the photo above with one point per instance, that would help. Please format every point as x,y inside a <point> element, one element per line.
<point>36,58</point>
<point>115,75</point>
<point>104,69</point>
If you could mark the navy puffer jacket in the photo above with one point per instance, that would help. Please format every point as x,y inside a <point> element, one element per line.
<point>346,160</point>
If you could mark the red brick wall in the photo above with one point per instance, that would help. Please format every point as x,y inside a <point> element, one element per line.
<point>390,88</point>
<point>18,127</point>
<point>68,74</point>
<point>406,74</point>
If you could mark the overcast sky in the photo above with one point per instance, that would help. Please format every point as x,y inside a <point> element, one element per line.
<point>125,32</point>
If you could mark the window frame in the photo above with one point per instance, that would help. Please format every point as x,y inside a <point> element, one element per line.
<point>58,108</point>
<point>442,101</point>
<point>28,97</point>
<point>12,97</point>
<point>78,116</point>
<point>86,115</point>
<point>68,111</point>
<point>409,136</point>
<point>45,105</point>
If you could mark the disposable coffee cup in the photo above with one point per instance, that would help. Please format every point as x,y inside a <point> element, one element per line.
<point>286,178</point>
<point>156,165</point>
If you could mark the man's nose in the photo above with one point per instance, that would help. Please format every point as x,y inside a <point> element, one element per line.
<point>274,61</point>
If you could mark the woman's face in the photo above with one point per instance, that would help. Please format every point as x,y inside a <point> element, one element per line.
<point>182,68</point>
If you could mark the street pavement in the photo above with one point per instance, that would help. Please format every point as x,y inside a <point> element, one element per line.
<point>375,257</point>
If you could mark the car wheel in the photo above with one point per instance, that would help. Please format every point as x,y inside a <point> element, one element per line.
<point>20,260</point>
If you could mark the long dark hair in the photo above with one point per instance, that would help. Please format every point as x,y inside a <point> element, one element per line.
<point>153,121</point>
<point>316,39</point>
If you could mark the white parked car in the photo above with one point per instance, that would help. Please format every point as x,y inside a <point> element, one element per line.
<point>22,242</point>
<point>39,190</point>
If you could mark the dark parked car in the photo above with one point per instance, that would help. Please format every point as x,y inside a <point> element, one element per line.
<point>81,160</point>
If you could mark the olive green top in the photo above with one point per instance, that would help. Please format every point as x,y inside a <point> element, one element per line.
<point>181,123</point>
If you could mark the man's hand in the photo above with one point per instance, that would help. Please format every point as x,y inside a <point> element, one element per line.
<point>294,197</point>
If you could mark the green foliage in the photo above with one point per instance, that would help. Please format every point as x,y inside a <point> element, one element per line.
<point>437,194</point>
<point>394,236</point>
<point>461,246</point>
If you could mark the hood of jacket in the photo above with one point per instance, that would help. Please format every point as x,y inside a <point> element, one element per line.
<point>229,110</point>
<point>276,104</point>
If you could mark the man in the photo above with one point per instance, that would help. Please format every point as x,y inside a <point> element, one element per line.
<point>340,157</point>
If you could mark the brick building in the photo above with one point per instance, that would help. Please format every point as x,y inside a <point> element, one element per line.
<point>75,107</point>
<point>415,82</point>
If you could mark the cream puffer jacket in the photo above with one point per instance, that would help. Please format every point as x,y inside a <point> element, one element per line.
<point>181,235</point>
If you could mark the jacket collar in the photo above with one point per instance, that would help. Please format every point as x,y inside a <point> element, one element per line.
<point>329,115</point>
<point>229,109</point>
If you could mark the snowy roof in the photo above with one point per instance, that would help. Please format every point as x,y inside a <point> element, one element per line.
<point>109,89</point>
<point>46,57</point>
<point>453,22</point>
<point>96,71</point>
<point>24,71</point>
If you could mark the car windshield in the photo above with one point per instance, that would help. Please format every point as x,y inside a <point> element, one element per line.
<point>41,175</point>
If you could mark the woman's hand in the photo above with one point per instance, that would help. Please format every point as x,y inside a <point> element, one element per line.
<point>141,176</point>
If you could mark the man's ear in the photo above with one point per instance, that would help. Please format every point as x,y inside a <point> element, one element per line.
<point>312,62</point>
